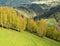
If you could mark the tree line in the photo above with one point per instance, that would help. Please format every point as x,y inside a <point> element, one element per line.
<point>10,19</point>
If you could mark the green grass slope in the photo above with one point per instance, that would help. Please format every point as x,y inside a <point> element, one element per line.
<point>9,37</point>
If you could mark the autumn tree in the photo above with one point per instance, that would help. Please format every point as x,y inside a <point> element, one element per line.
<point>10,19</point>
<point>42,27</point>
<point>31,25</point>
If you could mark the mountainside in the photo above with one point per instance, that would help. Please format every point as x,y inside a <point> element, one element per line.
<point>34,9</point>
<point>48,2</point>
<point>30,8</point>
<point>28,13</point>
<point>39,10</point>
<point>48,13</point>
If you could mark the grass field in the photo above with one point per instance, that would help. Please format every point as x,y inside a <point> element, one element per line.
<point>9,37</point>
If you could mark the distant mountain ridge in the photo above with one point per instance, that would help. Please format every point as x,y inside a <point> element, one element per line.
<point>15,3</point>
<point>48,2</point>
<point>34,9</point>
<point>49,13</point>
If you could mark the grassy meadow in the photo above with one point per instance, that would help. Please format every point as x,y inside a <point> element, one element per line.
<point>9,37</point>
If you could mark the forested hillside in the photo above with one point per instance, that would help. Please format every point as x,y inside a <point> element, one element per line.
<point>29,23</point>
<point>12,18</point>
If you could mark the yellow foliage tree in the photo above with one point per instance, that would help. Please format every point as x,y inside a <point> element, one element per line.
<point>42,27</point>
<point>10,19</point>
<point>31,25</point>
